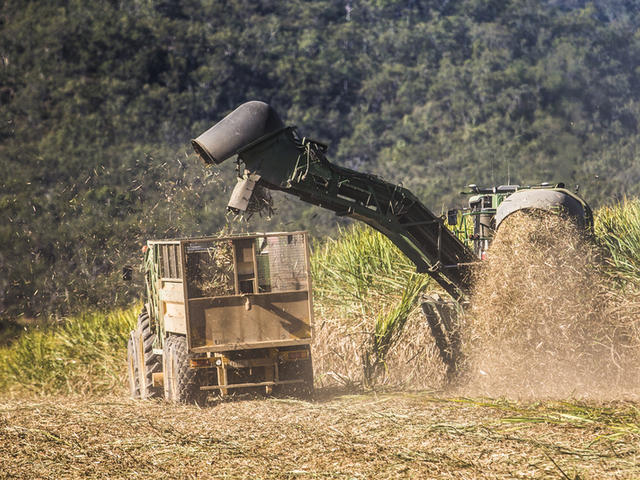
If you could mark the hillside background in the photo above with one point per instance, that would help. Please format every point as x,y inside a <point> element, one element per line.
<point>98,102</point>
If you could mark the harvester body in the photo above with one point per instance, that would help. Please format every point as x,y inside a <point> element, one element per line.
<point>273,156</point>
<point>276,157</point>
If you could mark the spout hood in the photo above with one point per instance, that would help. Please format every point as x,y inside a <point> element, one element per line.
<point>246,124</point>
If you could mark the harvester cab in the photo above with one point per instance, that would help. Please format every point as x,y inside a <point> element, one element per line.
<point>488,207</point>
<point>475,225</point>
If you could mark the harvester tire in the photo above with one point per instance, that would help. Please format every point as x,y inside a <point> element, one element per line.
<point>442,317</point>
<point>181,383</point>
<point>149,362</point>
<point>132,367</point>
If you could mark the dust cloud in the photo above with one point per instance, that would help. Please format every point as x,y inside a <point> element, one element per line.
<point>547,320</point>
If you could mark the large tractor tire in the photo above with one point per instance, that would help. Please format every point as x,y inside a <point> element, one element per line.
<point>181,383</point>
<point>149,362</point>
<point>132,367</point>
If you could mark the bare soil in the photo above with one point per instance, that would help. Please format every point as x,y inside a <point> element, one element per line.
<point>337,435</point>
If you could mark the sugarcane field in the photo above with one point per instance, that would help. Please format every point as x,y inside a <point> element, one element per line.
<point>318,239</point>
<point>552,393</point>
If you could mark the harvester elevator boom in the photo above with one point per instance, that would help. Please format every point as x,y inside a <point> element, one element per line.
<point>277,158</point>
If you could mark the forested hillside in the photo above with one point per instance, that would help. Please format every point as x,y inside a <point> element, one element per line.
<point>98,102</point>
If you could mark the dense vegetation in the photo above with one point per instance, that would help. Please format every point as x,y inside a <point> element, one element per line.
<point>99,100</point>
<point>361,278</point>
<point>85,354</point>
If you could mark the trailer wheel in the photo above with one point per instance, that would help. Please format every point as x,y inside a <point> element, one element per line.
<point>149,363</point>
<point>303,370</point>
<point>132,370</point>
<point>181,383</point>
<point>306,389</point>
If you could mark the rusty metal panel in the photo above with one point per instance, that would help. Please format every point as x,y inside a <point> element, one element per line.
<point>250,319</point>
<point>174,318</point>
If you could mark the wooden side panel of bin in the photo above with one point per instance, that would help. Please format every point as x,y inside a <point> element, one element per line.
<point>172,306</point>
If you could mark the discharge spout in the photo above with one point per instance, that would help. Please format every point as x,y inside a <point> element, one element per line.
<point>246,124</point>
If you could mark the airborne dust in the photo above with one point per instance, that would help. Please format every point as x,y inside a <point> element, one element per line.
<point>547,320</point>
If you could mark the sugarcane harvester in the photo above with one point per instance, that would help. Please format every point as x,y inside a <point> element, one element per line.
<point>276,157</point>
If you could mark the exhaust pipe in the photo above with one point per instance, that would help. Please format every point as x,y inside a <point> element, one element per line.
<point>249,122</point>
